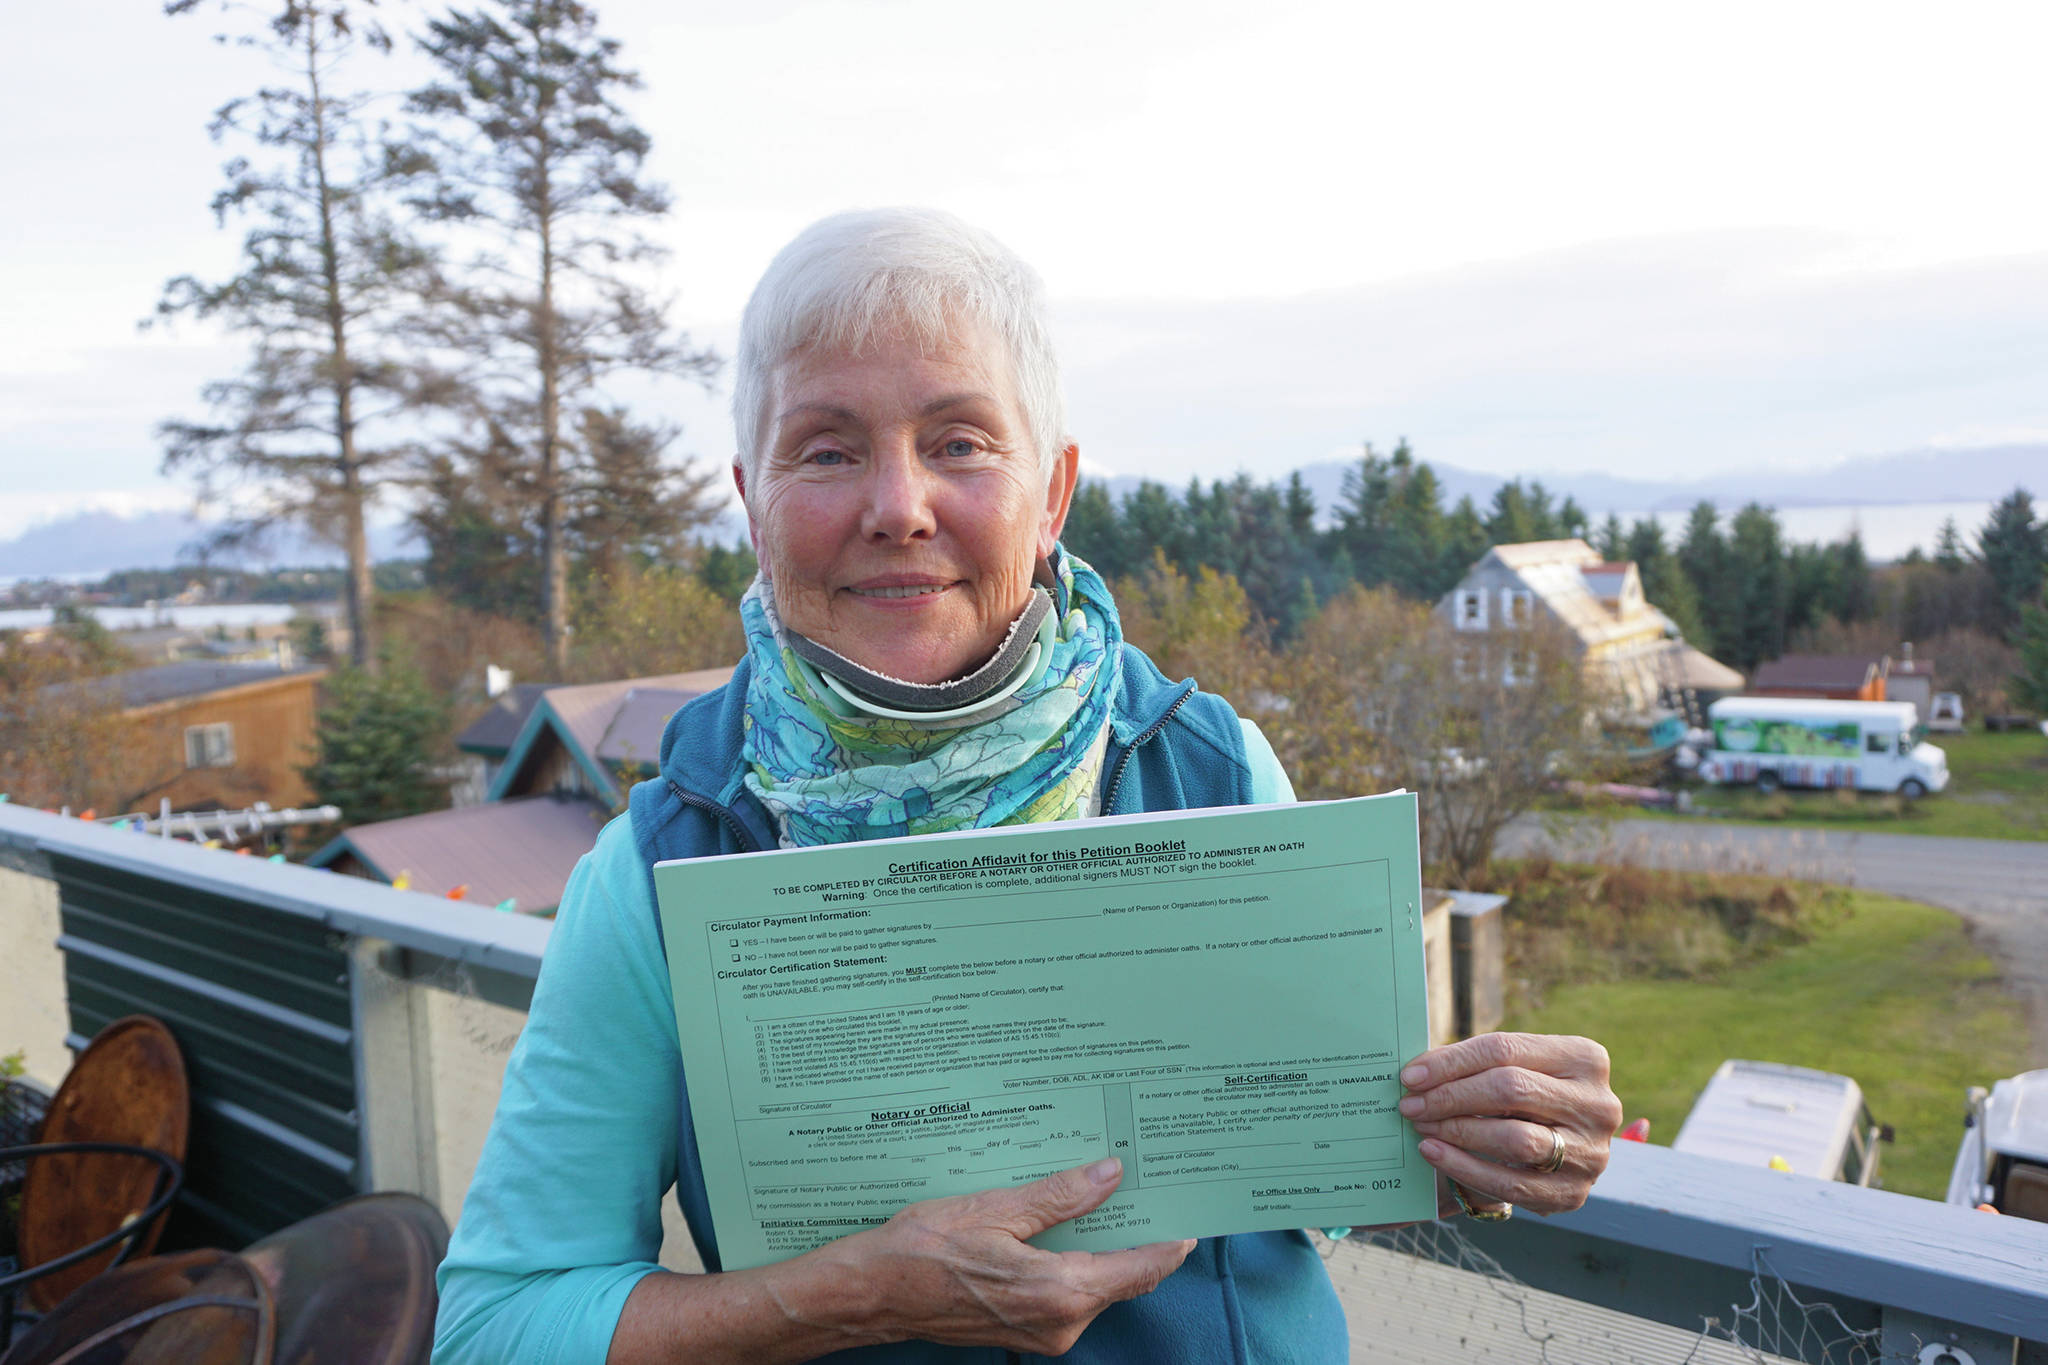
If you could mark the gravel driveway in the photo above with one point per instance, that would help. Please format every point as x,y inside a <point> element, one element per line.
<point>1998,886</point>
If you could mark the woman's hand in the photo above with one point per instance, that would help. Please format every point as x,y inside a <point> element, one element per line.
<point>1487,1108</point>
<point>956,1270</point>
<point>960,1270</point>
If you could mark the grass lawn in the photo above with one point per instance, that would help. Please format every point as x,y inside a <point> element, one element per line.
<point>1891,994</point>
<point>1998,789</point>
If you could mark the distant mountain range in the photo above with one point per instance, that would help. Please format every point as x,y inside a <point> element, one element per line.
<point>1981,474</point>
<point>101,542</point>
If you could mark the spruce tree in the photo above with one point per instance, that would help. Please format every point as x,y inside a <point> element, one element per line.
<point>523,141</point>
<point>1523,512</point>
<point>1612,542</point>
<point>1572,522</point>
<point>377,745</point>
<point>1094,531</point>
<point>1948,546</point>
<point>628,507</point>
<point>1365,515</point>
<point>2013,549</point>
<point>2030,682</point>
<point>322,288</point>
<point>1416,548</point>
<point>1704,557</point>
<point>1761,578</point>
<point>1465,541</point>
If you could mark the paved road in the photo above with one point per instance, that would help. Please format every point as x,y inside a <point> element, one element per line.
<point>1999,886</point>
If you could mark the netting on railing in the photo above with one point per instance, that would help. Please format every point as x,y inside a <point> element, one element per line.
<point>1427,1293</point>
<point>1777,1324</point>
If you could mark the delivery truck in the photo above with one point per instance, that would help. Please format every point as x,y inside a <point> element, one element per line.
<point>1872,746</point>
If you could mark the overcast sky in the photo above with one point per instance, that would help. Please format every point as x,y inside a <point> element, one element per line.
<point>1641,239</point>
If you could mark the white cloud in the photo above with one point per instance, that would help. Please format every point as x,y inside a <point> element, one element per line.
<point>2006,434</point>
<point>1570,236</point>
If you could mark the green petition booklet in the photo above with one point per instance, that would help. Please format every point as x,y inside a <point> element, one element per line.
<point>1222,999</point>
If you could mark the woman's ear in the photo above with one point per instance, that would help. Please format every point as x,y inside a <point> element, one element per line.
<point>1059,496</point>
<point>739,481</point>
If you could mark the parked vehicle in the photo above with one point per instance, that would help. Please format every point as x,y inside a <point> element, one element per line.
<point>1789,1118</point>
<point>1797,742</point>
<point>2003,1158</point>
<point>1945,714</point>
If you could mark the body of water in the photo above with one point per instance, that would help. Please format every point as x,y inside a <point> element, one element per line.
<point>235,616</point>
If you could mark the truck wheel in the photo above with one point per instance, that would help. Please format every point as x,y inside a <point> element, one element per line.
<point>1912,789</point>
<point>1767,781</point>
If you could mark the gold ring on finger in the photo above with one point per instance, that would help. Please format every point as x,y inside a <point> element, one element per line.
<point>1556,1161</point>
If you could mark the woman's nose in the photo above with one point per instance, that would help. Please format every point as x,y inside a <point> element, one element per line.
<point>899,496</point>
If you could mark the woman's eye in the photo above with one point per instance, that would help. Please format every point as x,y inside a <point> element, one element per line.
<point>960,448</point>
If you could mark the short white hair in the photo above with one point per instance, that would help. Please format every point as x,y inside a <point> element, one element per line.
<point>847,278</point>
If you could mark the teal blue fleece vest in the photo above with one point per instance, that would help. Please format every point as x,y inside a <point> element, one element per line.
<point>1245,1300</point>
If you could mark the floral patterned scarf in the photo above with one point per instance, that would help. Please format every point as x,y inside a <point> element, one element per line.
<point>830,775</point>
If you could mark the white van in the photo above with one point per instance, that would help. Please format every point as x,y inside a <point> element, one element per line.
<point>1872,746</point>
<point>1798,1119</point>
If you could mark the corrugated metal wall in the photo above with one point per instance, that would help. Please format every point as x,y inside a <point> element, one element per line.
<point>258,1000</point>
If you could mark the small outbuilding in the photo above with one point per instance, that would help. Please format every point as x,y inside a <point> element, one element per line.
<point>1829,677</point>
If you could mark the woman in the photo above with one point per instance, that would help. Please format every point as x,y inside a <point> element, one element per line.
<point>905,475</point>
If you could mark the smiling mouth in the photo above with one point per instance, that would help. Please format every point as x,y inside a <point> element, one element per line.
<point>905,590</point>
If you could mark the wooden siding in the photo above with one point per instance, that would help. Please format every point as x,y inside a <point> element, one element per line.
<point>550,768</point>
<point>272,723</point>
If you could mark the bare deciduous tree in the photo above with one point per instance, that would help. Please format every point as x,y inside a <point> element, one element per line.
<point>1201,627</point>
<point>64,740</point>
<point>1381,695</point>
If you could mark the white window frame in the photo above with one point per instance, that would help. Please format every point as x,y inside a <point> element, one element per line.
<point>210,746</point>
<point>1512,599</point>
<point>1471,609</point>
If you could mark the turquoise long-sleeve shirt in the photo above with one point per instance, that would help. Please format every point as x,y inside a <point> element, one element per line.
<point>563,1216</point>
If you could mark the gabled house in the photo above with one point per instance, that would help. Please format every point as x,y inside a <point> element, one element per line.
<point>596,739</point>
<point>560,762</point>
<point>486,740</point>
<point>206,735</point>
<point>1627,645</point>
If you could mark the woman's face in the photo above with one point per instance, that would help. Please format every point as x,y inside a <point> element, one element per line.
<point>898,507</point>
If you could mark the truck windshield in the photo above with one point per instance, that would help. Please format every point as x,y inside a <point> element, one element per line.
<point>1906,744</point>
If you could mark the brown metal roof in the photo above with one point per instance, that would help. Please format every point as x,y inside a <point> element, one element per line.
<point>634,736</point>
<point>1831,671</point>
<point>140,687</point>
<point>587,709</point>
<point>523,848</point>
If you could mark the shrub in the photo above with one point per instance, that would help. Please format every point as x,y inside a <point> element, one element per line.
<point>1569,924</point>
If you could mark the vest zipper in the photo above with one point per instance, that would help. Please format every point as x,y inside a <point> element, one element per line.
<point>741,836</point>
<point>1116,774</point>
